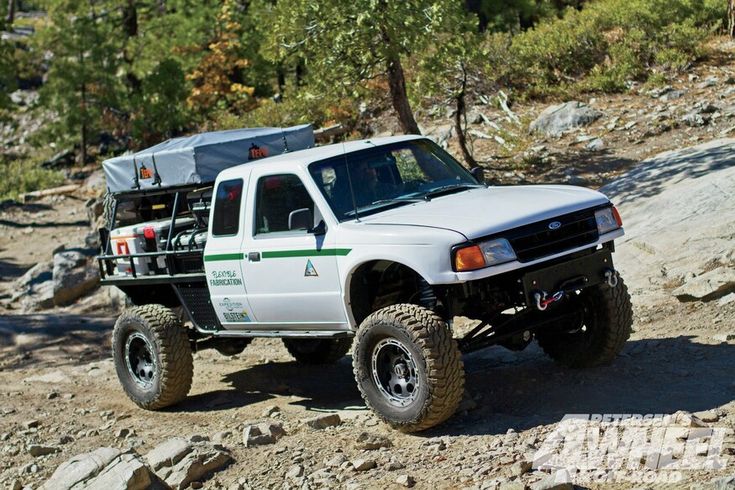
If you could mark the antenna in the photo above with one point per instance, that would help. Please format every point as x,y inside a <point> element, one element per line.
<point>349,180</point>
<point>135,173</point>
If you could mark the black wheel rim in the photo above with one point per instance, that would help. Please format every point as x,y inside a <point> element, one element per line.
<point>394,372</point>
<point>140,360</point>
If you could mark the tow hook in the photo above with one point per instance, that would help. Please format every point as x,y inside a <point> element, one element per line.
<point>543,300</point>
<point>611,277</point>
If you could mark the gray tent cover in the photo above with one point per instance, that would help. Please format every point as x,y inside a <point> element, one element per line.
<point>201,157</point>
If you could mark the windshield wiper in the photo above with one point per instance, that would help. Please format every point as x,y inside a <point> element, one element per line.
<point>383,203</point>
<point>397,199</point>
<point>446,189</point>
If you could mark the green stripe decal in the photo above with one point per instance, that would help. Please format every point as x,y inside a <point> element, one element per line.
<point>330,252</point>
<point>215,257</point>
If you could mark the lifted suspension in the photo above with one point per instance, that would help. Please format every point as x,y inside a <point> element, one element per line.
<point>519,326</point>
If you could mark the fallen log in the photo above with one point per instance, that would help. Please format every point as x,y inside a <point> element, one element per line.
<point>54,191</point>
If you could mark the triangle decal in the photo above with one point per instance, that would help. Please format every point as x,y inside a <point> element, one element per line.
<point>310,270</point>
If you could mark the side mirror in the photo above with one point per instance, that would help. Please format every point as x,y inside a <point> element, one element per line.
<point>479,174</point>
<point>300,219</point>
<point>319,229</point>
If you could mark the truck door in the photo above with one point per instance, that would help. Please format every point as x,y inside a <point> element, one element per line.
<point>293,282</point>
<point>223,254</point>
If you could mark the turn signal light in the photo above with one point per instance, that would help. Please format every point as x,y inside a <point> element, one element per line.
<point>617,217</point>
<point>469,258</point>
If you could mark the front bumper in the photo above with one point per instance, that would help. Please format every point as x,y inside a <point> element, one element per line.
<point>571,275</point>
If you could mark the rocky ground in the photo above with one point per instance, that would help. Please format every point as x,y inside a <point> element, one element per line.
<point>260,420</point>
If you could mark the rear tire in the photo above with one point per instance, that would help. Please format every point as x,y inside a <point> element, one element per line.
<point>152,356</point>
<point>408,367</point>
<point>604,329</point>
<point>318,351</point>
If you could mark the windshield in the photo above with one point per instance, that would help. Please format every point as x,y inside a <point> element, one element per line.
<point>368,181</point>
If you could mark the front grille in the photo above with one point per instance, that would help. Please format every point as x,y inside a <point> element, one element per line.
<point>536,240</point>
<point>196,299</point>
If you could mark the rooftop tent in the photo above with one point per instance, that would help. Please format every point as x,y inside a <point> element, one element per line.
<point>201,157</point>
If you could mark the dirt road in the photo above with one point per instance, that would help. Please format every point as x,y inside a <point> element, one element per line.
<point>58,389</point>
<point>673,362</point>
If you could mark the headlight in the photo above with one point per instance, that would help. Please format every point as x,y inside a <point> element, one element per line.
<point>483,254</point>
<point>608,219</point>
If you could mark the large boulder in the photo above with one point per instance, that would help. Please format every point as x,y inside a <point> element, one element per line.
<point>175,463</point>
<point>554,120</point>
<point>126,472</point>
<point>73,276</point>
<point>34,289</point>
<point>678,213</point>
<point>105,467</point>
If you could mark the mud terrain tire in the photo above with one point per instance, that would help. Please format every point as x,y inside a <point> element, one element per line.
<point>318,351</point>
<point>608,318</point>
<point>408,367</point>
<point>152,356</point>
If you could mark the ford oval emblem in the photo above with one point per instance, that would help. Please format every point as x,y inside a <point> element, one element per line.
<point>554,225</point>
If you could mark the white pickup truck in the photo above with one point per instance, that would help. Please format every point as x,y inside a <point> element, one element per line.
<point>374,246</point>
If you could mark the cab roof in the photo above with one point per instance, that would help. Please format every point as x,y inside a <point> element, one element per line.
<point>311,155</point>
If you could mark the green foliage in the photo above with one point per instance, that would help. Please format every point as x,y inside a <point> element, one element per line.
<point>7,81</point>
<point>300,109</point>
<point>604,45</point>
<point>190,65</point>
<point>345,45</point>
<point>81,78</point>
<point>516,15</point>
<point>219,80</point>
<point>21,176</point>
<point>158,108</point>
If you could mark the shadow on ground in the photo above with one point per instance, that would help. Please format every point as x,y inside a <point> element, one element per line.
<point>589,168</point>
<point>655,174</point>
<point>518,390</point>
<point>42,340</point>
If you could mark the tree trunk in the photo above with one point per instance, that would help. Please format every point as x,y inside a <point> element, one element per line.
<point>130,28</point>
<point>300,72</point>
<point>84,124</point>
<point>399,97</point>
<point>396,78</point>
<point>281,77</point>
<point>11,12</point>
<point>731,18</point>
<point>459,115</point>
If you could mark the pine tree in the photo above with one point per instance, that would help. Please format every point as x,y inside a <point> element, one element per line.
<point>81,82</point>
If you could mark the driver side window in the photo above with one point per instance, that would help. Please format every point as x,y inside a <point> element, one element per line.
<point>278,201</point>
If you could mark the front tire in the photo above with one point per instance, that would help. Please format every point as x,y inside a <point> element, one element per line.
<point>605,326</point>
<point>408,367</point>
<point>152,356</point>
<point>317,351</point>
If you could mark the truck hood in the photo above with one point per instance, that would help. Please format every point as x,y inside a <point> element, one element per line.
<point>484,211</point>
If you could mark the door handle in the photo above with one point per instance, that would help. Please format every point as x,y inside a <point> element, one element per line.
<point>254,256</point>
